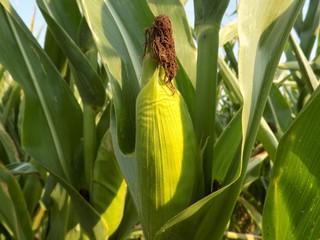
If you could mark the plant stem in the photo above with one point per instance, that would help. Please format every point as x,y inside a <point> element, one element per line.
<point>234,235</point>
<point>36,221</point>
<point>206,94</point>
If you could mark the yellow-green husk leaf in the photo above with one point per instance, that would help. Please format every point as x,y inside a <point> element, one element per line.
<point>108,188</point>
<point>168,158</point>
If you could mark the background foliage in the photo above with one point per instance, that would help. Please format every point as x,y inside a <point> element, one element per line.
<point>67,119</point>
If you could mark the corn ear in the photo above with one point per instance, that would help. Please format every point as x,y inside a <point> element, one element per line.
<point>167,155</point>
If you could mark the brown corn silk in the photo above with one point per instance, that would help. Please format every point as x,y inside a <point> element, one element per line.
<point>160,43</point>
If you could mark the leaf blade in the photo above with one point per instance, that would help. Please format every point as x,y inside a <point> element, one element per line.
<point>293,195</point>
<point>119,38</point>
<point>88,81</point>
<point>13,209</point>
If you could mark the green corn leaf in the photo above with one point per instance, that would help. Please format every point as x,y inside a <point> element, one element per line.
<point>51,111</point>
<point>255,214</point>
<point>83,68</point>
<point>14,100</point>
<point>88,81</point>
<point>265,134</point>
<point>8,145</point>
<point>127,163</point>
<point>33,185</point>
<point>129,220</point>
<point>66,13</point>
<point>255,48</point>
<point>254,169</point>
<point>305,68</point>
<point>223,157</point>
<point>292,204</point>
<point>63,218</point>
<point>55,53</point>
<point>117,29</point>
<point>277,112</point>
<point>20,168</point>
<point>45,101</point>
<point>108,189</point>
<point>308,28</point>
<point>61,214</point>
<point>13,208</point>
<point>258,42</point>
<point>261,45</point>
<point>90,220</point>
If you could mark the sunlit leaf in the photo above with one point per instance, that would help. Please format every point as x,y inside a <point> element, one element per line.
<point>305,68</point>
<point>51,111</point>
<point>45,101</point>
<point>292,205</point>
<point>108,188</point>
<point>88,81</point>
<point>118,31</point>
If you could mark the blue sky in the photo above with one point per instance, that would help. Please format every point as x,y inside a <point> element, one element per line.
<point>26,9</point>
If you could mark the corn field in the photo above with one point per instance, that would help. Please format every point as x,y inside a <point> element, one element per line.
<point>128,123</point>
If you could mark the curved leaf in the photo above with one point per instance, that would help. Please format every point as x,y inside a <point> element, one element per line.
<point>88,81</point>
<point>51,111</point>
<point>108,188</point>
<point>305,68</point>
<point>292,209</point>
<point>90,220</point>
<point>13,208</point>
<point>261,44</point>
<point>259,41</point>
<point>223,156</point>
<point>265,135</point>
<point>20,168</point>
<point>129,220</point>
<point>117,28</point>
<point>8,145</point>
<point>277,112</point>
<point>307,28</point>
<point>127,163</point>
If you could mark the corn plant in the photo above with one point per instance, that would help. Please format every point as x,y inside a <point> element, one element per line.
<point>130,124</point>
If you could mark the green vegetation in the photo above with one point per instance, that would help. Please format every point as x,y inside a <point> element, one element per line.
<point>96,142</point>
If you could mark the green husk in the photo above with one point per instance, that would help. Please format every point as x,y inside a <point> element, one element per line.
<point>167,154</point>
